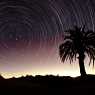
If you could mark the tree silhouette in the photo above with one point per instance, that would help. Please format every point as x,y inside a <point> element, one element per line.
<point>77,43</point>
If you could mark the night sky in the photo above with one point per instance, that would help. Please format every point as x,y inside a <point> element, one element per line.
<point>31,32</point>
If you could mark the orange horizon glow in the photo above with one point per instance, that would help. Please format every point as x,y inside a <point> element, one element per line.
<point>42,63</point>
<point>63,70</point>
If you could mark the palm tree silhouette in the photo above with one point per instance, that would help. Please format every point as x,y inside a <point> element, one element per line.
<point>77,44</point>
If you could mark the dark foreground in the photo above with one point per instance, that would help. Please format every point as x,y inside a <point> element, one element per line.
<point>48,85</point>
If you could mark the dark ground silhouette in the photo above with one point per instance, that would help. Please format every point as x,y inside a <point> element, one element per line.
<point>48,85</point>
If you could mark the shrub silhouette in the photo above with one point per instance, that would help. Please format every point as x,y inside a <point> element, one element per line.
<point>78,42</point>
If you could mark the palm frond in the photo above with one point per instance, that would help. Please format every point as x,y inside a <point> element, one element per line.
<point>75,40</point>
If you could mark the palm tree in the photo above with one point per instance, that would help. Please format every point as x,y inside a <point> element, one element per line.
<point>77,43</point>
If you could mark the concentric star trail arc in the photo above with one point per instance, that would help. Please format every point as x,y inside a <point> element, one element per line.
<point>31,31</point>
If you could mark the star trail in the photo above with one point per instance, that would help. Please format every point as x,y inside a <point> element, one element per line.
<point>31,31</point>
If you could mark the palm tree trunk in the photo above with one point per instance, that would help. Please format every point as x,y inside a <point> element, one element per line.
<point>81,64</point>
